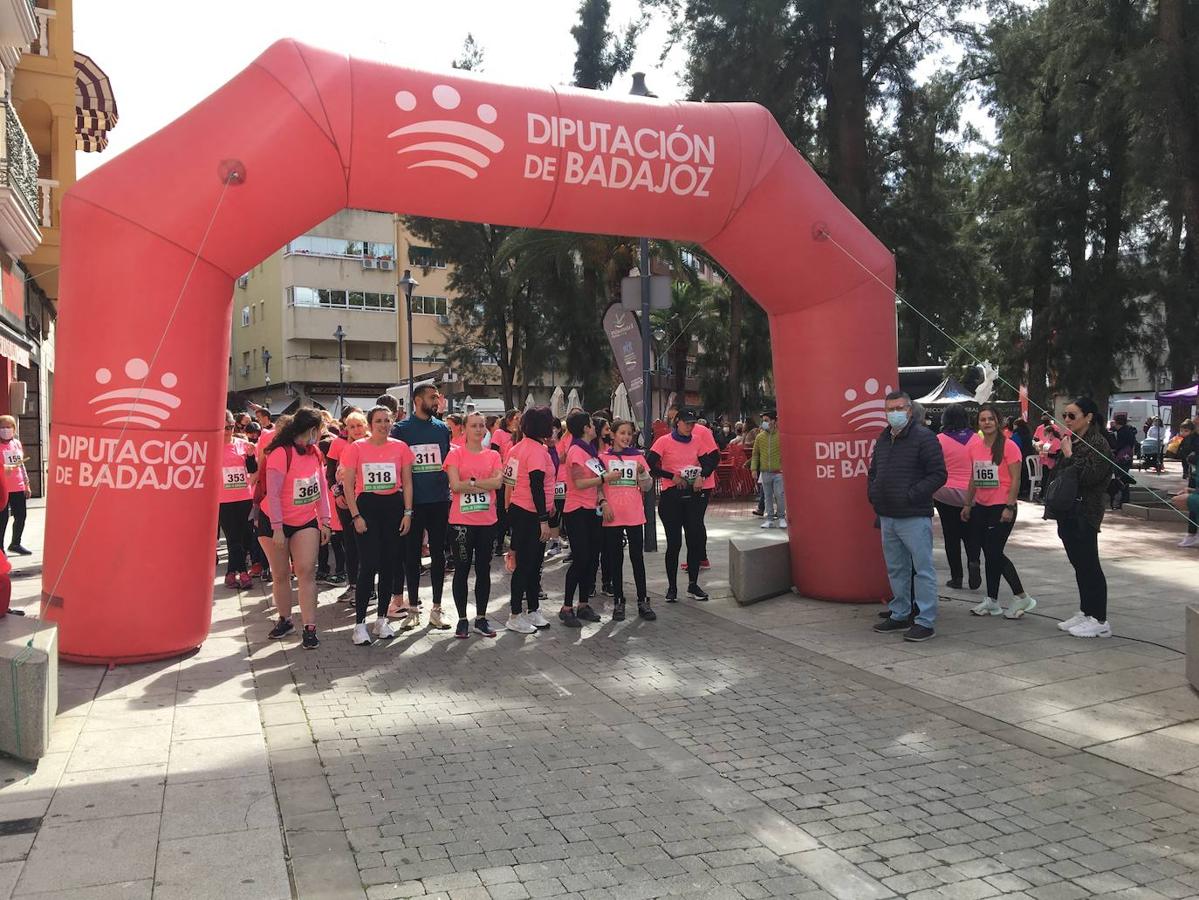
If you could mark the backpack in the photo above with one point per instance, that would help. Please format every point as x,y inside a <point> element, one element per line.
<point>260,484</point>
<point>1061,497</point>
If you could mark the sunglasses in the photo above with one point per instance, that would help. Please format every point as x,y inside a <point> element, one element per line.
<point>1069,416</point>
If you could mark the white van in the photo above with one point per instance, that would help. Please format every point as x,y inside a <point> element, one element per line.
<point>1139,411</point>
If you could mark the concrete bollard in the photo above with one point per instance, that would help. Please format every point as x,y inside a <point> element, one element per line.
<point>1192,646</point>
<point>28,686</point>
<point>758,569</point>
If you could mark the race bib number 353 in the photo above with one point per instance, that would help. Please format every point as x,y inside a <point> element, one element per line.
<point>510,472</point>
<point>234,478</point>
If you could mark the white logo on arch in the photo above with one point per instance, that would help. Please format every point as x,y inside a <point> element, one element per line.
<point>465,147</point>
<point>136,403</point>
<point>870,413</point>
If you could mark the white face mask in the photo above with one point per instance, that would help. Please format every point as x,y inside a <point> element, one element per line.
<point>6,434</point>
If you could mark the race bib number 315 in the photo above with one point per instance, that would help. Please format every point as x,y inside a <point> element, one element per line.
<point>475,501</point>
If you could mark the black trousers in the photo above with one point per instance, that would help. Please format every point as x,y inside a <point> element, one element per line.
<point>339,555</point>
<point>349,543</point>
<point>614,538</point>
<point>472,544</point>
<point>991,534</point>
<point>683,514</point>
<point>235,523</point>
<point>501,523</point>
<point>585,532</point>
<point>377,549</point>
<point>15,510</point>
<point>957,533</point>
<point>1082,548</point>
<point>530,553</point>
<point>435,519</point>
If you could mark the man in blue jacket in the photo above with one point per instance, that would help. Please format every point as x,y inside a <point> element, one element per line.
<point>429,439</point>
<point>906,469</point>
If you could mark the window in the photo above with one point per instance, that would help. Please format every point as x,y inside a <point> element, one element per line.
<point>430,306</point>
<point>332,297</point>
<point>314,245</point>
<point>245,359</point>
<point>253,313</point>
<point>302,296</point>
<point>335,298</point>
<point>425,258</point>
<point>245,317</point>
<point>261,310</point>
<point>254,356</point>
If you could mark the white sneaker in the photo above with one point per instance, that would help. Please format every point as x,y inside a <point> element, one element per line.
<point>988,607</point>
<point>1072,621</point>
<point>520,623</point>
<point>383,629</point>
<point>783,522</point>
<point>1089,628</point>
<point>536,619</point>
<point>1191,540</point>
<point>769,523</point>
<point>437,620</point>
<point>361,637</point>
<point>1019,606</point>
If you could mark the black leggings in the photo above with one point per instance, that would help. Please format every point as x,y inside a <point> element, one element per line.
<point>683,514</point>
<point>956,533</point>
<point>614,553</point>
<point>339,555</point>
<point>991,534</point>
<point>1082,548</point>
<point>530,553</point>
<point>472,543</point>
<point>15,508</point>
<point>378,548</point>
<point>435,519</point>
<point>235,523</point>
<point>585,533</point>
<point>349,543</point>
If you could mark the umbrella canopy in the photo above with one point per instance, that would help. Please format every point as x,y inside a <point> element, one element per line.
<point>947,392</point>
<point>620,403</point>
<point>529,401</point>
<point>557,399</point>
<point>574,401</point>
<point>1190,392</point>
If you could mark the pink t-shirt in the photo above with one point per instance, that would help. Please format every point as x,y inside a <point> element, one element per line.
<point>621,492</point>
<point>337,447</point>
<point>957,462</point>
<point>1055,445</point>
<point>578,458</point>
<point>377,467</point>
<point>502,441</point>
<point>707,440</point>
<point>14,466</point>
<point>682,458</point>
<point>304,492</point>
<point>992,483</point>
<point>235,480</point>
<point>473,507</point>
<point>528,456</point>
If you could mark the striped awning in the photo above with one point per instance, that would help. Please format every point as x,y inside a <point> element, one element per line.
<point>95,106</point>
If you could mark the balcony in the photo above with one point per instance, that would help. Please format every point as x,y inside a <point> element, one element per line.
<point>18,23</point>
<point>319,323</point>
<point>18,187</point>
<point>307,370</point>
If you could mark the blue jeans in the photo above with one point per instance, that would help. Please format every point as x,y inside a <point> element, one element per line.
<point>772,493</point>
<point>908,548</point>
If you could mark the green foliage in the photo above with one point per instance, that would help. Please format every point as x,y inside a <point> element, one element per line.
<point>601,55</point>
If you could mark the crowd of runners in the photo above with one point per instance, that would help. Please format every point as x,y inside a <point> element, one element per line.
<point>364,501</point>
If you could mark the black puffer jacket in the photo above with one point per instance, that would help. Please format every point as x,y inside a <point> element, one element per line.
<point>905,471</point>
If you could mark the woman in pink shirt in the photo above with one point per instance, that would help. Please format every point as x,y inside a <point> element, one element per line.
<point>529,475</point>
<point>990,508</point>
<point>238,463</point>
<point>624,516</point>
<point>475,473</point>
<point>16,479</point>
<point>376,479</point>
<point>954,437</point>
<point>293,519</point>
<point>584,475</point>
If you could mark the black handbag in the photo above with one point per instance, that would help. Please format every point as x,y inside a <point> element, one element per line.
<point>1061,497</point>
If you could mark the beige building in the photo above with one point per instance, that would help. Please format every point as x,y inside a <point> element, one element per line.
<point>343,274</point>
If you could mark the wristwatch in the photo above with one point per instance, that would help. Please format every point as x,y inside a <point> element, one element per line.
<point>1011,506</point>
<point>407,514</point>
<point>472,481</point>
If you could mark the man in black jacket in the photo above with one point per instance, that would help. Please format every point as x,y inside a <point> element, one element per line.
<point>906,469</point>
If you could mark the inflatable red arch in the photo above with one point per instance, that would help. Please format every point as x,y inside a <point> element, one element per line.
<point>147,282</point>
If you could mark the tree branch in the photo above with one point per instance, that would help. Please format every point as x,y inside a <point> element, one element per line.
<point>888,48</point>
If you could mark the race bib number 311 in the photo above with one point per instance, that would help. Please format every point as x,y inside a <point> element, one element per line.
<point>427,458</point>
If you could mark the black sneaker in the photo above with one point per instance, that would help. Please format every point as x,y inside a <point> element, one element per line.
<point>587,614</point>
<point>618,610</point>
<point>918,633</point>
<point>266,576</point>
<point>889,625</point>
<point>19,550</point>
<point>976,577</point>
<point>568,618</point>
<point>311,641</point>
<point>463,629</point>
<point>322,577</point>
<point>607,589</point>
<point>885,614</point>
<point>672,595</point>
<point>336,580</point>
<point>643,610</point>
<point>759,512</point>
<point>484,627</point>
<point>282,628</point>
<point>695,592</point>
<point>954,583</point>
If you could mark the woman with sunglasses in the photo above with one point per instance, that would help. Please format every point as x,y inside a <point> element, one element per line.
<point>1085,449</point>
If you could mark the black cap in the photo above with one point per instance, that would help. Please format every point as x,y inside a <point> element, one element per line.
<point>687,414</point>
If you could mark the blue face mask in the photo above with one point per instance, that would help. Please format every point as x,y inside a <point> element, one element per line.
<point>765,424</point>
<point>897,419</point>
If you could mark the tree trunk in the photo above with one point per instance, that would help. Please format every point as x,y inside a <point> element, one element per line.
<point>845,97</point>
<point>736,310</point>
<point>1182,107</point>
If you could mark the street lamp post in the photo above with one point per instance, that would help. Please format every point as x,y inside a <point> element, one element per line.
<point>407,283</point>
<point>266,364</point>
<point>639,89</point>
<point>341,369</point>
